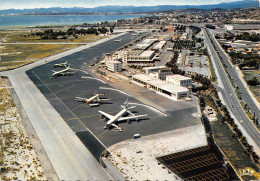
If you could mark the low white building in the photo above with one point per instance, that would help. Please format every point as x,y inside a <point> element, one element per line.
<point>159,72</point>
<point>122,55</point>
<point>179,80</point>
<point>140,57</point>
<point>229,27</point>
<point>145,44</point>
<point>174,91</point>
<point>114,66</point>
<point>160,45</point>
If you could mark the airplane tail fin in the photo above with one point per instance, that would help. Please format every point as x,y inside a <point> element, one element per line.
<point>68,66</point>
<point>126,103</point>
<point>126,106</point>
<point>53,71</point>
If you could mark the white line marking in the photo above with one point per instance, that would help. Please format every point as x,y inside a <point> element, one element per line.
<point>84,77</point>
<point>116,90</point>
<point>156,110</point>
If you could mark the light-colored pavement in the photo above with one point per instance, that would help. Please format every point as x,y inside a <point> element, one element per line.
<point>41,43</point>
<point>231,101</point>
<point>70,158</point>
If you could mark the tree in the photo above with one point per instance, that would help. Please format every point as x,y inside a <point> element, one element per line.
<point>150,21</point>
<point>253,82</point>
<point>111,30</point>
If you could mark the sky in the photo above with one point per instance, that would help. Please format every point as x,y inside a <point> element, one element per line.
<point>29,4</point>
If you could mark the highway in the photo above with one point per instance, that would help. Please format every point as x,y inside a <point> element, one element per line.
<point>253,105</point>
<point>230,99</point>
<point>70,158</point>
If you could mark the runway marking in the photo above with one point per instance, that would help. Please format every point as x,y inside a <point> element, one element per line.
<point>115,90</point>
<point>64,89</point>
<point>84,71</point>
<point>87,116</point>
<point>48,100</point>
<point>57,125</point>
<point>61,83</point>
<point>84,77</point>
<point>77,107</point>
<point>102,133</point>
<point>51,126</point>
<point>156,110</point>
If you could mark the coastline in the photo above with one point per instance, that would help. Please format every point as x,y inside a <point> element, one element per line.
<point>61,20</point>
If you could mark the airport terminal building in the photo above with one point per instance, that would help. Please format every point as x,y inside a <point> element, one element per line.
<point>179,80</point>
<point>174,91</point>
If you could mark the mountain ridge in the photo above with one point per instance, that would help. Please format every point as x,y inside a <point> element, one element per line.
<point>126,9</point>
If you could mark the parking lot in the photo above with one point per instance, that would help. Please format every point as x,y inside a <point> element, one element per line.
<point>84,120</point>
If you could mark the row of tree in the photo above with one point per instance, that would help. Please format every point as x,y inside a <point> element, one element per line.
<point>253,82</point>
<point>226,119</point>
<point>249,36</point>
<point>180,44</point>
<point>50,34</point>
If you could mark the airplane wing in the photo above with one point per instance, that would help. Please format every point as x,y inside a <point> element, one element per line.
<point>80,99</point>
<point>117,127</point>
<point>131,117</point>
<point>106,115</point>
<point>93,105</point>
<point>129,112</point>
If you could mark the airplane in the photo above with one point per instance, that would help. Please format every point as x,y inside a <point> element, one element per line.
<point>63,72</point>
<point>112,120</point>
<point>65,64</point>
<point>92,101</point>
<point>118,40</point>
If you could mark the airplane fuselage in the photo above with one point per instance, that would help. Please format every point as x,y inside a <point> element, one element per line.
<point>60,72</point>
<point>92,98</point>
<point>117,116</point>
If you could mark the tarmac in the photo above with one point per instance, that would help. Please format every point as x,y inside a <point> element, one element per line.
<point>69,157</point>
<point>86,122</point>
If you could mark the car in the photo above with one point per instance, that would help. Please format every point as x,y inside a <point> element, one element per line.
<point>136,136</point>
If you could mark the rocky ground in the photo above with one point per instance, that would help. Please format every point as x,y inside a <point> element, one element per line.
<point>18,159</point>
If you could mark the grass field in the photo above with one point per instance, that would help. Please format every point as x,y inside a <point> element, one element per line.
<point>24,36</point>
<point>232,148</point>
<point>15,55</point>
<point>255,89</point>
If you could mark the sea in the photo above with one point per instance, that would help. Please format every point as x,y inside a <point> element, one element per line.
<point>53,20</point>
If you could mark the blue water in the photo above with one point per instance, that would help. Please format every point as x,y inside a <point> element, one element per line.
<point>45,20</point>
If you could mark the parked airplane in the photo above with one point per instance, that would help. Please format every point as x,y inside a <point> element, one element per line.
<point>92,101</point>
<point>65,64</point>
<point>63,72</point>
<point>118,40</point>
<point>112,120</point>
